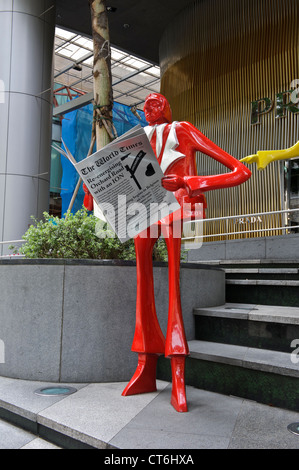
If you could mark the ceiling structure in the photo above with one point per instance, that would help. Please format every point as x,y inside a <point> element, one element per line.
<point>132,78</point>
<point>135,26</point>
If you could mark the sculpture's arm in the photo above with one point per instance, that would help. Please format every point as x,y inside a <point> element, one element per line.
<point>197,184</point>
<point>264,157</point>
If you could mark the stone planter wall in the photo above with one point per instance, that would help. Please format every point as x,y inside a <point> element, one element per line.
<point>73,321</point>
<point>283,247</point>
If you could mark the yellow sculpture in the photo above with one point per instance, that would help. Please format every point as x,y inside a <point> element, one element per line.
<point>264,157</point>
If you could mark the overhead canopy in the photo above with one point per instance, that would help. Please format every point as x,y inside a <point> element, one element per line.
<point>136,26</point>
<point>132,78</point>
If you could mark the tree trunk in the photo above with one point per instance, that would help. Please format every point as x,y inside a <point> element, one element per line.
<point>103,95</point>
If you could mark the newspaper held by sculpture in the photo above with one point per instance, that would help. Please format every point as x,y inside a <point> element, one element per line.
<point>124,179</point>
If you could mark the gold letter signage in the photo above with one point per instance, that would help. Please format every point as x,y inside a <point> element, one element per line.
<point>284,103</point>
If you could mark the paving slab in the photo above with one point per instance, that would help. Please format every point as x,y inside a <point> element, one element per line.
<point>12,437</point>
<point>264,427</point>
<point>98,415</point>
<point>40,444</point>
<point>208,424</point>
<point>17,396</point>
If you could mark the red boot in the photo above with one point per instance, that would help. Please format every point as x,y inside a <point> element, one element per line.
<point>144,379</point>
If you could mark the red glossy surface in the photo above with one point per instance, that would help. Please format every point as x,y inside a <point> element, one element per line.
<point>178,393</point>
<point>144,379</point>
<point>88,199</point>
<point>189,188</point>
<point>182,179</point>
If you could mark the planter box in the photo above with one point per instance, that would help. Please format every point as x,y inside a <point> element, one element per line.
<point>74,320</point>
<point>279,247</point>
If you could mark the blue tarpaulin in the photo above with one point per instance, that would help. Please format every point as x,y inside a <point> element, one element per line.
<point>76,133</point>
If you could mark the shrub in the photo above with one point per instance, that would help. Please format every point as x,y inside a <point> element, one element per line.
<point>79,236</point>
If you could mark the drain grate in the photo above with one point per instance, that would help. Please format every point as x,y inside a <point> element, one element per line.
<point>55,391</point>
<point>294,428</point>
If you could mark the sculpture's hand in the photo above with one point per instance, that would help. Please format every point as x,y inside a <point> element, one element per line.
<point>172,182</point>
<point>262,159</point>
<point>85,189</point>
<point>88,199</point>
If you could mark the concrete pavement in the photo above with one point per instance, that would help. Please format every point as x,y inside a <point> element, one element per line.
<point>97,416</point>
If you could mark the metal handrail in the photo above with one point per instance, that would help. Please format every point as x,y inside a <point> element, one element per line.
<point>221,218</point>
<point>244,215</point>
<point>12,241</point>
<point>238,233</point>
<point>242,231</point>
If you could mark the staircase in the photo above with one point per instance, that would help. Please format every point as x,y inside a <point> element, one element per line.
<point>262,281</point>
<point>243,348</point>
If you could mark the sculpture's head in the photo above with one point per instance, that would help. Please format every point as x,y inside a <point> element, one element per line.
<point>157,109</point>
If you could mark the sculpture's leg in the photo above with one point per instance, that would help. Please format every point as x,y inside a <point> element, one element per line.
<point>176,344</point>
<point>148,340</point>
<point>178,393</point>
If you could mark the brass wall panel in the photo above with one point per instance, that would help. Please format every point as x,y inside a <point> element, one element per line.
<point>216,58</point>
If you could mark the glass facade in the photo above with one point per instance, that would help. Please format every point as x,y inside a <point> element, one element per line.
<point>228,67</point>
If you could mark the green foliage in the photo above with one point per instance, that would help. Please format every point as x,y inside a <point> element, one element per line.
<point>79,236</point>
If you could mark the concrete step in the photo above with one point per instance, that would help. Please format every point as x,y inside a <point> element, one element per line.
<point>283,292</point>
<point>266,376</point>
<point>97,416</point>
<point>264,281</point>
<point>259,269</point>
<point>14,437</point>
<point>250,325</point>
<point>245,311</point>
<point>264,360</point>
<point>264,274</point>
<point>246,350</point>
<point>247,270</point>
<point>252,263</point>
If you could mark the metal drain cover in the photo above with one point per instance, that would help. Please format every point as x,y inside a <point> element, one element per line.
<point>294,428</point>
<point>55,391</point>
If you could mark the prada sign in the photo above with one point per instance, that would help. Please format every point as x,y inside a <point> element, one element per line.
<point>285,101</point>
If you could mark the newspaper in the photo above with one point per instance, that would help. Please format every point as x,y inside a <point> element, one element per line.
<point>124,179</point>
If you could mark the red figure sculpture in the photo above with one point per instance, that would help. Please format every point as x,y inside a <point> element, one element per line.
<point>174,145</point>
<point>88,199</point>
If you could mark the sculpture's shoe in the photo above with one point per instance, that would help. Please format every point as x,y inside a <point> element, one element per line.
<point>178,394</point>
<point>144,379</point>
